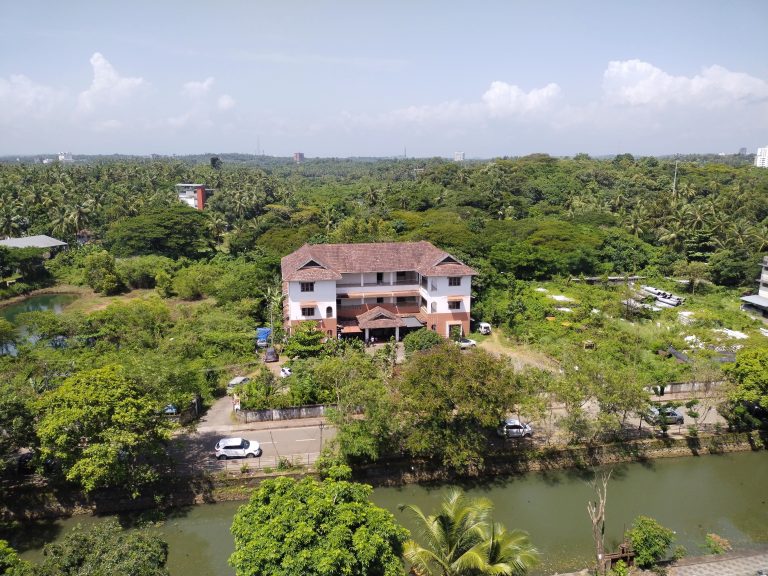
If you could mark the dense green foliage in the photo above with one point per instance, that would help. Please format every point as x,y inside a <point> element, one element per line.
<point>105,549</point>
<point>650,541</point>
<point>102,429</point>
<point>463,540</point>
<point>315,527</point>
<point>421,339</point>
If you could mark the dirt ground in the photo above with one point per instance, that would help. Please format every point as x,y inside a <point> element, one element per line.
<point>521,355</point>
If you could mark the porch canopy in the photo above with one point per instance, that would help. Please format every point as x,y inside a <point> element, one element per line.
<point>379,318</point>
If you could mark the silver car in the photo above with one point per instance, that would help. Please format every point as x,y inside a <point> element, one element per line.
<point>237,448</point>
<point>513,428</point>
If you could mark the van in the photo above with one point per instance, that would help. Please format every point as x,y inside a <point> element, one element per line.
<point>484,328</point>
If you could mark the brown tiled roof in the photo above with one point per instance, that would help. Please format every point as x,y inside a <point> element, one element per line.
<point>329,261</point>
<point>379,318</point>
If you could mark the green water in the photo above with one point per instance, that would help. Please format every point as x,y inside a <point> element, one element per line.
<point>55,302</point>
<point>693,496</point>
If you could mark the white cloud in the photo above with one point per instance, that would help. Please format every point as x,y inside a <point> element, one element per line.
<point>107,87</point>
<point>225,102</point>
<point>639,83</point>
<point>195,90</point>
<point>22,98</point>
<point>504,99</point>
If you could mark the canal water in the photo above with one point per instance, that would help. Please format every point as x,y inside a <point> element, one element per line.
<point>724,494</point>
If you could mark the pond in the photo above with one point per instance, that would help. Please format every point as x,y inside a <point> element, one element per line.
<point>694,496</point>
<point>39,303</point>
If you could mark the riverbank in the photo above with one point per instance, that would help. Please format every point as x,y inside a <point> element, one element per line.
<point>79,291</point>
<point>34,501</point>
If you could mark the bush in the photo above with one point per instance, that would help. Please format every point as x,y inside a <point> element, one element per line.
<point>716,544</point>
<point>421,339</point>
<point>650,541</point>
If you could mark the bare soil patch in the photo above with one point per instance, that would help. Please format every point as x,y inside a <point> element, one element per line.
<point>522,356</point>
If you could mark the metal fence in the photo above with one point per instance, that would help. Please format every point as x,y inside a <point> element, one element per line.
<point>263,463</point>
<point>291,413</point>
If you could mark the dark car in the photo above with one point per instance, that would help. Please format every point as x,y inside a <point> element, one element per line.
<point>271,355</point>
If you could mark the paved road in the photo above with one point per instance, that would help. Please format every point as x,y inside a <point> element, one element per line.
<point>727,565</point>
<point>297,440</point>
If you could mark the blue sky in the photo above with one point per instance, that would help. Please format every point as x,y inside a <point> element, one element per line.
<point>372,78</point>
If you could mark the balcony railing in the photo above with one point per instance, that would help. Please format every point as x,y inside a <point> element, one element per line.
<point>413,282</point>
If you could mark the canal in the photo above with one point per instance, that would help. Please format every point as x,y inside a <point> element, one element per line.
<point>724,494</point>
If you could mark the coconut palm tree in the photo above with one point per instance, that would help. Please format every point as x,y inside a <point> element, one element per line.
<point>462,540</point>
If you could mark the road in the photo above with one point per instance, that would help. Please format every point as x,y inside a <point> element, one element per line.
<point>299,441</point>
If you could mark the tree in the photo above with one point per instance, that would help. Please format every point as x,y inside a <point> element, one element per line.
<point>650,541</point>
<point>462,540</point>
<point>103,430</point>
<point>16,426</point>
<point>103,549</point>
<point>749,376</point>
<point>421,339</point>
<point>8,336</point>
<point>596,511</point>
<point>313,527</point>
<point>694,272</point>
<point>306,341</point>
<point>101,273</point>
<point>10,563</point>
<point>173,231</point>
<point>446,399</point>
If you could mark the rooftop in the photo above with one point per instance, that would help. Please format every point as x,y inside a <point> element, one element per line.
<point>40,241</point>
<point>330,261</point>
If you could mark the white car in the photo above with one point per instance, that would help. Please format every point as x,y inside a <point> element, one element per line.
<point>464,343</point>
<point>285,372</point>
<point>484,328</point>
<point>237,448</point>
<point>513,428</point>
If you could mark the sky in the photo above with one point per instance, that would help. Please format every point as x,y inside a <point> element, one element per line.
<point>383,78</point>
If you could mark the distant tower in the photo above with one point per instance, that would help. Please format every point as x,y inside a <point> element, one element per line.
<point>298,157</point>
<point>761,158</point>
<point>458,156</point>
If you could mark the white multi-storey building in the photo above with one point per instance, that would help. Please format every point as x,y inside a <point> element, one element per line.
<point>761,158</point>
<point>377,290</point>
<point>758,303</point>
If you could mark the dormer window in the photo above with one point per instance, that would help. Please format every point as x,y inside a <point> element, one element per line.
<point>307,286</point>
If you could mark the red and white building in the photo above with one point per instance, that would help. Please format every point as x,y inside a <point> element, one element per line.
<point>380,290</point>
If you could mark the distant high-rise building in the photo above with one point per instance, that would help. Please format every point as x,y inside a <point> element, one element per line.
<point>458,156</point>
<point>742,151</point>
<point>66,157</point>
<point>298,157</point>
<point>761,158</point>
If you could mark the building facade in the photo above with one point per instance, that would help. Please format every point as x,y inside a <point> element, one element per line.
<point>761,158</point>
<point>758,303</point>
<point>194,195</point>
<point>379,291</point>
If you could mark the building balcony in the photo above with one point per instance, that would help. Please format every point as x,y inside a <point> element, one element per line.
<point>352,312</point>
<point>373,289</point>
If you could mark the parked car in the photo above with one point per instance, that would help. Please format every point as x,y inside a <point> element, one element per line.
<point>484,328</point>
<point>237,381</point>
<point>237,448</point>
<point>464,343</point>
<point>513,428</point>
<point>664,415</point>
<point>285,372</point>
<point>271,355</point>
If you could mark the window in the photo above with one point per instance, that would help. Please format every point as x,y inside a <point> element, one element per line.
<point>379,278</point>
<point>307,311</point>
<point>423,302</point>
<point>406,299</point>
<point>307,286</point>
<point>454,305</point>
<point>379,300</point>
<point>433,307</point>
<point>329,312</point>
<point>454,281</point>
